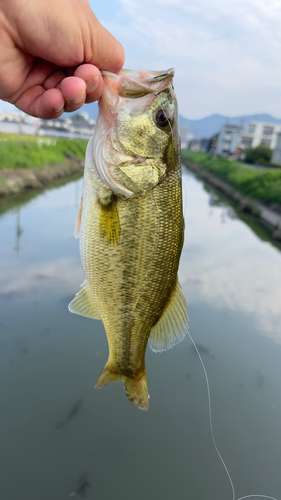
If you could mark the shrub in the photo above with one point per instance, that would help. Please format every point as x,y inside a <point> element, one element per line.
<point>258,154</point>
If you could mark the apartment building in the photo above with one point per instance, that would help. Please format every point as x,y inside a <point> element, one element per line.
<point>17,123</point>
<point>276,155</point>
<point>184,135</point>
<point>76,126</point>
<point>228,140</point>
<point>259,134</point>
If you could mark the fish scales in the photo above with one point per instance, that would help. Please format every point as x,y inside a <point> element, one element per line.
<point>131,244</point>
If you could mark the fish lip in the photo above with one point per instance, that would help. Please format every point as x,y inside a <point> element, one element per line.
<point>156,76</point>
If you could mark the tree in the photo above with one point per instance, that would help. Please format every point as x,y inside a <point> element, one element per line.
<point>260,154</point>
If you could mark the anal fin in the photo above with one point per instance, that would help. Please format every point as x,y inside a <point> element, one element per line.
<point>83,303</point>
<point>172,327</point>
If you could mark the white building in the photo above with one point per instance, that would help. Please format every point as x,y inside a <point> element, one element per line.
<point>233,139</point>
<point>17,123</point>
<point>276,155</point>
<point>76,126</point>
<point>184,137</point>
<point>260,134</point>
<point>228,140</point>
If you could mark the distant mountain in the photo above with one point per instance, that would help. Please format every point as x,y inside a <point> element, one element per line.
<point>209,126</point>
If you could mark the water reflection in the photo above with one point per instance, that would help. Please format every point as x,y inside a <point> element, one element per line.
<point>55,425</point>
<point>232,268</point>
<point>260,379</point>
<point>203,351</point>
<point>19,230</point>
<point>81,490</point>
<point>75,409</point>
<point>22,343</point>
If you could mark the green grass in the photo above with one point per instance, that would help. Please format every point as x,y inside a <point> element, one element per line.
<point>264,184</point>
<point>33,152</point>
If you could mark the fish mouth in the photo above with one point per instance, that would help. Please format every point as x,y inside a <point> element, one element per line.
<point>143,76</point>
<point>133,84</point>
<point>148,76</point>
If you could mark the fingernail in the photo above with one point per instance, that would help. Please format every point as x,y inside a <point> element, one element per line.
<point>77,100</point>
<point>93,84</point>
<point>60,109</point>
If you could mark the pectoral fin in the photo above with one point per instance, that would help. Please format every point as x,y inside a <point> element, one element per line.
<point>109,223</point>
<point>83,303</point>
<point>78,220</point>
<point>172,327</point>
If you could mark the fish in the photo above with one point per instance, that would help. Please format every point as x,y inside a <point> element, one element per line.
<point>131,226</point>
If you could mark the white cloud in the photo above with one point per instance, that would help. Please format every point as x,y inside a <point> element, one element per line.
<point>62,273</point>
<point>223,51</point>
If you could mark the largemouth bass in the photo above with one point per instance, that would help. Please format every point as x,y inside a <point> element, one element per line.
<point>131,226</point>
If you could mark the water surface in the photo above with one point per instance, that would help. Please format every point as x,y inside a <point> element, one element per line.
<point>60,436</point>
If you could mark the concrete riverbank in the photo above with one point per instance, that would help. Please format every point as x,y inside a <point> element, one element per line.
<point>270,215</point>
<point>14,181</point>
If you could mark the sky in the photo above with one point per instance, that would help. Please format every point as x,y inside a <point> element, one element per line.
<point>226,53</point>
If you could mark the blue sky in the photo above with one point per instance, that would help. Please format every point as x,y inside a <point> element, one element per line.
<point>226,53</point>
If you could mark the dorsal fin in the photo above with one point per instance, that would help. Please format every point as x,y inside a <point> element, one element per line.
<point>78,220</point>
<point>83,303</point>
<point>172,327</point>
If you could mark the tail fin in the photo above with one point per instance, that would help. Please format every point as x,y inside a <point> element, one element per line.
<point>135,388</point>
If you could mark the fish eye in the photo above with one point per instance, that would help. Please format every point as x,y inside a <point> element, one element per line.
<point>161,119</point>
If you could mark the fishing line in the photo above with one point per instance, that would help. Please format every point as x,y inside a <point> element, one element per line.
<point>213,436</point>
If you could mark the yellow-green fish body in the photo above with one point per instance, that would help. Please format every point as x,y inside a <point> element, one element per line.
<point>131,232</point>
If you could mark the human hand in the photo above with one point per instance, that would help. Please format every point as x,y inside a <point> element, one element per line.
<point>51,52</point>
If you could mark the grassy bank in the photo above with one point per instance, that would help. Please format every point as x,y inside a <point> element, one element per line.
<point>31,152</point>
<point>264,185</point>
<point>32,162</point>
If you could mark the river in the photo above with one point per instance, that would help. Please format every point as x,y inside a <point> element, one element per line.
<point>61,438</point>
